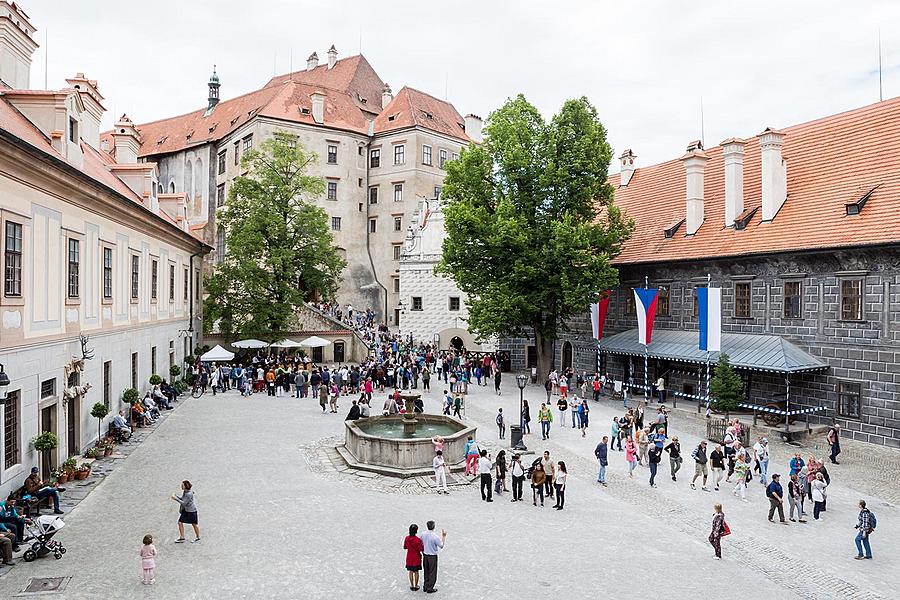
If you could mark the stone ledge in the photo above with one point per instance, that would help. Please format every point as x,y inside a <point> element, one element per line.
<point>353,464</point>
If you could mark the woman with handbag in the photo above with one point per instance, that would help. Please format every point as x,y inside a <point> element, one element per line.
<point>719,529</point>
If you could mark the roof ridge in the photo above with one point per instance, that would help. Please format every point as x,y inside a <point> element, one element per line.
<point>340,60</point>
<point>433,97</point>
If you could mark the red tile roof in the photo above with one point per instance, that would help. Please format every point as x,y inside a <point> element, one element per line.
<point>410,107</point>
<point>830,162</point>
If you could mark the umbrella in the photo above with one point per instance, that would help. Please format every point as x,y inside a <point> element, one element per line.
<point>249,344</point>
<point>315,341</point>
<point>286,344</point>
<point>217,354</point>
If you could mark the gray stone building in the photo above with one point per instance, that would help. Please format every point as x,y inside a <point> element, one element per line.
<point>800,229</point>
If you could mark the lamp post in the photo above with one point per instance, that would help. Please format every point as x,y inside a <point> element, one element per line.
<point>516,432</point>
<point>4,382</point>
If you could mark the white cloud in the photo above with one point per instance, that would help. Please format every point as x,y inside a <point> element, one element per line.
<point>645,65</point>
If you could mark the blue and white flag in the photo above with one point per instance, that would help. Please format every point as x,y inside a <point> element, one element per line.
<point>709,310</point>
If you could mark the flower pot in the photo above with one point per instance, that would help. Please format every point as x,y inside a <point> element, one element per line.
<point>108,451</point>
<point>63,478</point>
<point>82,474</point>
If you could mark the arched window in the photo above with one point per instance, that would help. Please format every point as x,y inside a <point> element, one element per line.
<point>567,355</point>
<point>188,176</point>
<point>172,187</point>
<point>198,180</point>
<point>159,188</point>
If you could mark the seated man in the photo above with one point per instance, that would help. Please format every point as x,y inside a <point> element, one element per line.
<point>160,399</point>
<point>150,407</point>
<point>35,486</point>
<point>169,390</point>
<point>354,413</point>
<point>12,521</point>
<point>140,415</point>
<point>120,426</point>
<point>7,547</point>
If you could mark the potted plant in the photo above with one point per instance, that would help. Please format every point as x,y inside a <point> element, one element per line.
<point>174,371</point>
<point>82,472</point>
<point>95,452</point>
<point>155,379</point>
<point>181,386</point>
<point>99,412</point>
<point>109,446</point>
<point>62,476</point>
<point>68,467</point>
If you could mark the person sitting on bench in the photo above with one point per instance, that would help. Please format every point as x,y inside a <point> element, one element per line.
<point>12,521</point>
<point>160,399</point>
<point>120,426</point>
<point>38,488</point>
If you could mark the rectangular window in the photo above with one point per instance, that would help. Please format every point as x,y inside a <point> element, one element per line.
<point>374,159</point>
<point>332,154</point>
<point>134,370</point>
<point>220,195</point>
<point>335,223</point>
<point>849,393</point>
<point>373,225</point>
<point>237,153</point>
<point>416,303</point>
<point>399,154</point>
<point>74,261</point>
<point>742,299</point>
<point>398,223</point>
<point>171,283</point>
<point>396,285</point>
<point>187,285</point>
<point>453,303</point>
<point>437,192</point>
<point>197,284</point>
<point>154,278</point>
<point>442,158</point>
<point>695,308</point>
<point>398,192</point>
<point>11,448</point>
<point>454,156</point>
<point>153,360</point>
<point>107,273</point>
<point>662,305</point>
<point>396,249</point>
<point>332,190</point>
<point>248,144</point>
<point>220,245</point>
<point>851,300</point>
<point>135,276</point>
<point>373,195</point>
<point>629,303</point>
<point>221,162</point>
<point>107,383</point>
<point>13,260</point>
<point>73,130</point>
<point>48,388</point>
<point>793,299</point>
<point>426,155</point>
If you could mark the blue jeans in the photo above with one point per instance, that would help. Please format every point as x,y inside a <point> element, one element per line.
<point>863,540</point>
<point>47,491</point>
<point>574,417</point>
<point>763,470</point>
<point>601,476</point>
<point>545,429</point>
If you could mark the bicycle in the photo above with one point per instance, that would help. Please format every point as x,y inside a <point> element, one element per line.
<point>197,390</point>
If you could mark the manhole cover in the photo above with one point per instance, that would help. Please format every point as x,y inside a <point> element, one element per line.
<point>46,585</point>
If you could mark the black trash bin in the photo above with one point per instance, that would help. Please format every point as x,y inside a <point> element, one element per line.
<point>515,435</point>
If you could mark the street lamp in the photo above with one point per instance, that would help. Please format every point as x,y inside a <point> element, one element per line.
<point>4,382</point>
<point>519,444</point>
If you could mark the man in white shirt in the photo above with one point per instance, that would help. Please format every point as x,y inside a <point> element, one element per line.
<point>485,469</point>
<point>440,473</point>
<point>431,545</point>
<point>761,454</point>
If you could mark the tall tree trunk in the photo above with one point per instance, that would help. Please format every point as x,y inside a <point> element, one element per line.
<point>543,348</point>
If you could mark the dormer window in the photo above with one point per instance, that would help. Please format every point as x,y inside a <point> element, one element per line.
<point>428,115</point>
<point>669,233</point>
<point>854,208</point>
<point>304,111</point>
<point>392,117</point>
<point>744,218</point>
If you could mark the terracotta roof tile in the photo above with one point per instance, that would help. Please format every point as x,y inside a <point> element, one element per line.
<point>830,162</point>
<point>352,75</point>
<point>410,107</point>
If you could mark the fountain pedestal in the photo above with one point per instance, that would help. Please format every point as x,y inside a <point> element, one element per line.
<point>409,417</point>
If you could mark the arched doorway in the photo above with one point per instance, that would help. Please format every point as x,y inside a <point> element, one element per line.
<point>566,355</point>
<point>456,342</point>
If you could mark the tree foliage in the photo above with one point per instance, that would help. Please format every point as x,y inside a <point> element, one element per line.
<point>726,386</point>
<point>279,247</point>
<point>531,227</point>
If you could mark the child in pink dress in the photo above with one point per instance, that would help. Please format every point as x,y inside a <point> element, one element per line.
<point>148,560</point>
<point>438,442</point>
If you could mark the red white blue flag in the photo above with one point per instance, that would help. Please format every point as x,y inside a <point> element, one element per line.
<point>645,307</point>
<point>709,312</point>
<point>598,315</point>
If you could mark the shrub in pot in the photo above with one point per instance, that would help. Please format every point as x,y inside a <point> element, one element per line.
<point>174,371</point>
<point>155,379</point>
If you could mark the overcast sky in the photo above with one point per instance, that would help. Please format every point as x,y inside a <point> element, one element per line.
<point>645,65</point>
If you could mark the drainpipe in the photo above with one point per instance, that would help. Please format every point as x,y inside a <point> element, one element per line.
<point>369,233</point>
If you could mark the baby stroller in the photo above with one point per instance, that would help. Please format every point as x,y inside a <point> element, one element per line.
<point>41,530</point>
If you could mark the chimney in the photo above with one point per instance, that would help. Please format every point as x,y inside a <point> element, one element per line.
<point>16,46</point>
<point>312,62</point>
<point>473,127</point>
<point>774,172</point>
<point>694,165</point>
<point>93,108</point>
<point>386,96</point>
<point>318,107</point>
<point>213,97</point>
<point>733,155</point>
<point>627,170</point>
<point>127,141</point>
<point>332,56</point>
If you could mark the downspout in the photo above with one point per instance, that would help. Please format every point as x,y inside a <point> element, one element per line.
<point>369,233</point>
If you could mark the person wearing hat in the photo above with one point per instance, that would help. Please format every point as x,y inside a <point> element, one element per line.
<point>776,498</point>
<point>38,488</point>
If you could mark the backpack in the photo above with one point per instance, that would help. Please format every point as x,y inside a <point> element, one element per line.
<point>873,522</point>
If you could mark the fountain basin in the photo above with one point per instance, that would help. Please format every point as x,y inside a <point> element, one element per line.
<point>378,444</point>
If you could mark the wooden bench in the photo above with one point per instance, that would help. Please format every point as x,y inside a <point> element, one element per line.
<point>31,506</point>
<point>117,434</point>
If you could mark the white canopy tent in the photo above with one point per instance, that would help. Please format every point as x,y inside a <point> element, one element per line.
<point>249,344</point>
<point>217,354</point>
<point>315,341</point>
<point>286,344</point>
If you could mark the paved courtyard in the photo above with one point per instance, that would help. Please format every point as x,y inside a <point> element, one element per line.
<point>280,522</point>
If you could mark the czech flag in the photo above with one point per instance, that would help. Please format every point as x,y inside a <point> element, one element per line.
<point>645,307</point>
<point>598,315</point>
<point>709,311</point>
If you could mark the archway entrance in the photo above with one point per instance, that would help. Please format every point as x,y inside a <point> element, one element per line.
<point>456,342</point>
<point>566,355</point>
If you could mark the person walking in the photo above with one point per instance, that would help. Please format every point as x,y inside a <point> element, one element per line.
<point>561,406</point>
<point>440,472</point>
<point>538,480</point>
<point>413,546</point>
<point>654,457</point>
<point>717,463</point>
<point>675,460</point>
<point>548,387</point>
<point>776,498</point>
<point>700,466</point>
<point>818,494</point>
<point>484,469</point>
<point>583,411</point>
<point>545,417</point>
<point>517,471</point>
<point>761,455</point>
<point>718,530</point>
<point>616,434</point>
<point>601,452</point>
<point>866,525</point>
<point>501,423</point>
<point>500,467</point>
<point>741,472</point>
<point>431,546</point>
<point>187,512</point>
<point>550,470</point>
<point>795,498</point>
<point>497,381</point>
<point>661,389</point>
<point>834,440</point>
<point>471,456</point>
<point>642,438</point>
<point>630,456</point>
<point>526,418</point>
<point>559,482</point>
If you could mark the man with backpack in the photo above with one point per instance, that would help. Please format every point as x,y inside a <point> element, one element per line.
<point>700,466</point>
<point>866,525</point>
<point>501,422</point>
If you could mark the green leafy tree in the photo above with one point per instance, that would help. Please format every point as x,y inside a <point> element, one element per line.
<point>531,227</point>
<point>726,386</point>
<point>280,250</point>
<point>99,412</point>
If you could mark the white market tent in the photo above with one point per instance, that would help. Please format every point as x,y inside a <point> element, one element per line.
<point>315,341</point>
<point>217,354</point>
<point>249,344</point>
<point>286,344</point>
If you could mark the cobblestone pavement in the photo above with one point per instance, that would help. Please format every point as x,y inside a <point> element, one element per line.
<point>282,518</point>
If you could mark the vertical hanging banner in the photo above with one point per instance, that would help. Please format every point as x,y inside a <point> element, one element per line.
<point>645,307</point>
<point>598,315</point>
<point>709,311</point>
